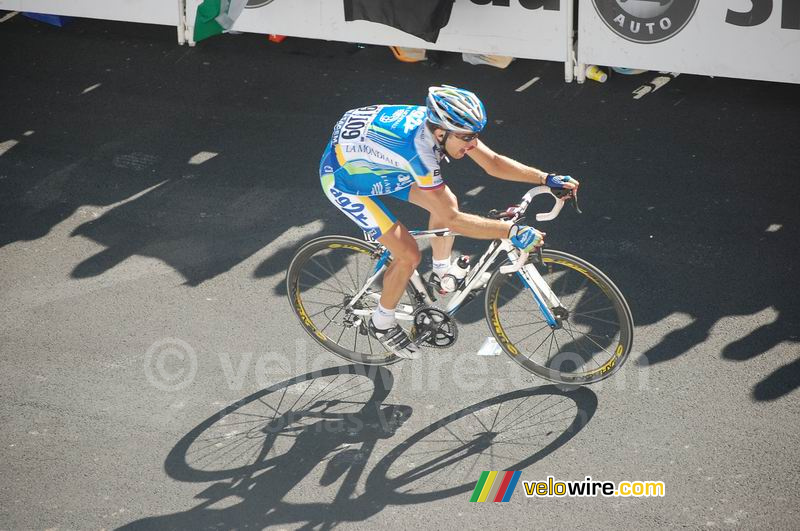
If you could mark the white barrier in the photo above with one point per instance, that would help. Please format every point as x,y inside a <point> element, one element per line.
<point>749,39</point>
<point>533,29</point>
<point>164,12</point>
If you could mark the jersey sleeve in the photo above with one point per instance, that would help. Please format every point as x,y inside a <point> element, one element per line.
<point>426,165</point>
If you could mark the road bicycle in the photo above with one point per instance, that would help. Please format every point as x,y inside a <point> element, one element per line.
<point>555,314</point>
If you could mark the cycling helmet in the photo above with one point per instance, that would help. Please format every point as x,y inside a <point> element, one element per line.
<point>454,109</point>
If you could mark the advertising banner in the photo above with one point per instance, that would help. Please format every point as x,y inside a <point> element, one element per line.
<point>164,12</point>
<point>749,39</point>
<point>535,29</point>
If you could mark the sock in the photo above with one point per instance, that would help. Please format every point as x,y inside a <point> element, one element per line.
<point>440,267</point>
<point>382,318</point>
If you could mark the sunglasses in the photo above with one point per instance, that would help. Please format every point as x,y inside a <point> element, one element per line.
<point>466,138</point>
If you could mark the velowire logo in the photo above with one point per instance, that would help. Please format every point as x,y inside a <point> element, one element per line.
<point>646,21</point>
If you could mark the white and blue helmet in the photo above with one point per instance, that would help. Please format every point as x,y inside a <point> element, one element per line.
<point>454,109</point>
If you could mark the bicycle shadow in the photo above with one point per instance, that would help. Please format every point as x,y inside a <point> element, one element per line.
<point>254,488</point>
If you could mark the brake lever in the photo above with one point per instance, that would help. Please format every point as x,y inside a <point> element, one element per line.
<point>575,199</point>
<point>566,194</point>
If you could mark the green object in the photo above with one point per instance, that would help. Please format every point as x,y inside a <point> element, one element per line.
<point>479,487</point>
<point>205,24</point>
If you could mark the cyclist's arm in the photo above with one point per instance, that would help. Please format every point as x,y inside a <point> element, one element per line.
<point>504,167</point>
<point>437,200</point>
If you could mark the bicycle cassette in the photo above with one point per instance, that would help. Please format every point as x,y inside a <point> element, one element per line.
<point>434,328</point>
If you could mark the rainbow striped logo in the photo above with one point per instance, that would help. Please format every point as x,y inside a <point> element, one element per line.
<point>496,486</point>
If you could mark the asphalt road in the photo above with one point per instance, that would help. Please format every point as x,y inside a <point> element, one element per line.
<point>154,376</point>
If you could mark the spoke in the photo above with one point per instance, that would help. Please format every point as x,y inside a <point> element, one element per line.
<point>494,420</point>
<point>331,320</point>
<point>336,278</point>
<point>261,399</point>
<point>369,342</point>
<point>317,313</point>
<point>533,333</point>
<point>518,325</point>
<point>597,292</point>
<point>615,323</point>
<point>550,347</point>
<point>328,305</point>
<point>316,287</point>
<point>558,347</point>
<point>313,398</point>
<point>306,272</point>
<point>522,415</point>
<point>594,311</point>
<point>347,269</point>
<point>537,348</point>
<point>479,421</point>
<point>577,343</point>
<point>599,345</point>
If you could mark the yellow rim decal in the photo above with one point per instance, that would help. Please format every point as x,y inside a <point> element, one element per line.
<point>305,318</point>
<point>498,328</point>
<point>348,246</point>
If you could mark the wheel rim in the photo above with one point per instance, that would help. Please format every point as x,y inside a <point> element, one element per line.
<point>594,338</point>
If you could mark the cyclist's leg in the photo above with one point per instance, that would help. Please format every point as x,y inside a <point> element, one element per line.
<point>405,259</point>
<point>441,247</point>
<point>370,214</point>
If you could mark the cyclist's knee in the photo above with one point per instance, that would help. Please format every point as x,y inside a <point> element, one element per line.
<point>410,256</point>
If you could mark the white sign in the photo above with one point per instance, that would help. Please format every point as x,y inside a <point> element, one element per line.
<point>751,39</point>
<point>146,11</point>
<point>535,29</point>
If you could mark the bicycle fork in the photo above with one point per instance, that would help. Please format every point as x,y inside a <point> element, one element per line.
<point>548,302</point>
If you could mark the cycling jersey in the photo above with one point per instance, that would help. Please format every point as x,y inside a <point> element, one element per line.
<point>378,150</point>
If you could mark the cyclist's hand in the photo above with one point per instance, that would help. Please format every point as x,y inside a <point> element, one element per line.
<point>525,238</point>
<point>562,182</point>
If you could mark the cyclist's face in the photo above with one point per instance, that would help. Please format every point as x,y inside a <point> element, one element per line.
<point>458,144</point>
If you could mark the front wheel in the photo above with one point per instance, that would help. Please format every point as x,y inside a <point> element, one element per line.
<point>595,331</point>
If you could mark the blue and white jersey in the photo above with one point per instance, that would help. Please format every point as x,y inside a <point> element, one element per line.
<point>382,149</point>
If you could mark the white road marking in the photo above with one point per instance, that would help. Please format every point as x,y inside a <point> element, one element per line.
<point>9,16</point>
<point>655,84</point>
<point>475,191</point>
<point>528,84</point>
<point>202,157</point>
<point>89,89</point>
<point>7,145</point>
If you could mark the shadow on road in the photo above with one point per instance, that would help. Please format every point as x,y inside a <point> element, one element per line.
<point>319,433</point>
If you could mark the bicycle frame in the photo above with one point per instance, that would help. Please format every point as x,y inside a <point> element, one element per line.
<point>530,276</point>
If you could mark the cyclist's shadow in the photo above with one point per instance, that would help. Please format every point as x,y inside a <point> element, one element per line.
<point>328,421</point>
<point>256,460</point>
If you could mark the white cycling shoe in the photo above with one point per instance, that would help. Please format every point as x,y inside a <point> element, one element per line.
<point>395,340</point>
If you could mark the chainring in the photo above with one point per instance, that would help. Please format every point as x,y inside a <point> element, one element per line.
<point>441,330</point>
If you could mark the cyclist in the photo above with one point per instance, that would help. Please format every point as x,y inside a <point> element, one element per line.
<point>395,150</point>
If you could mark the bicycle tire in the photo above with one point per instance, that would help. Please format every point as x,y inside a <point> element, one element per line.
<point>616,330</point>
<point>347,249</point>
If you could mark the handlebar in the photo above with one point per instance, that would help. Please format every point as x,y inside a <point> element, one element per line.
<point>515,213</point>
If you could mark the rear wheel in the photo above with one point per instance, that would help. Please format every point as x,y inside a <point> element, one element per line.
<point>321,281</point>
<point>595,330</point>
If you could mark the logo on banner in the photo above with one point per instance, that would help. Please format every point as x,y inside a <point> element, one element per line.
<point>646,21</point>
